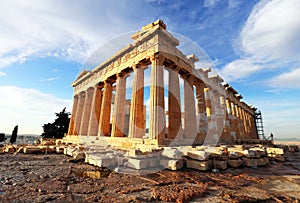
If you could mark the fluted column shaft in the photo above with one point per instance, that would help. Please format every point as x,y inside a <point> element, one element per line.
<point>174,108</point>
<point>202,122</point>
<point>79,112</point>
<point>95,112</point>
<point>119,107</point>
<point>157,104</point>
<point>104,124</point>
<point>136,123</point>
<point>73,115</point>
<point>86,112</point>
<point>190,123</point>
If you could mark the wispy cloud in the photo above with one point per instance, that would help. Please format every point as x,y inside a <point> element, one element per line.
<point>28,108</point>
<point>269,38</point>
<point>289,79</point>
<point>49,79</point>
<point>210,3</point>
<point>36,28</point>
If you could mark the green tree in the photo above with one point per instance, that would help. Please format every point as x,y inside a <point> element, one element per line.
<point>59,127</point>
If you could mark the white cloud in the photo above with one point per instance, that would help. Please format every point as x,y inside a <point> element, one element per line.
<point>286,80</point>
<point>28,108</point>
<point>49,79</point>
<point>272,30</point>
<point>2,74</point>
<point>210,3</point>
<point>239,69</point>
<point>269,38</point>
<point>35,28</point>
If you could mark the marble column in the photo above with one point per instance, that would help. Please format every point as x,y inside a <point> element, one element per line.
<point>86,112</point>
<point>174,107</point>
<point>136,121</point>
<point>231,119</point>
<point>190,123</point>
<point>208,103</point>
<point>79,111</point>
<point>104,124</point>
<point>202,122</point>
<point>73,116</point>
<point>95,111</point>
<point>225,120</point>
<point>157,104</point>
<point>119,107</point>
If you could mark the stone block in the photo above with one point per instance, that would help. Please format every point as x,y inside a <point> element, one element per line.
<point>235,163</point>
<point>251,154</point>
<point>199,165</point>
<point>9,149</point>
<point>34,150</point>
<point>259,152</point>
<point>263,161</point>
<point>220,164</point>
<point>198,155</point>
<point>78,155</point>
<point>59,149</point>
<point>277,157</point>
<point>251,162</point>
<point>153,162</point>
<point>171,164</point>
<point>137,163</point>
<point>172,153</point>
<point>273,150</point>
<point>235,154</point>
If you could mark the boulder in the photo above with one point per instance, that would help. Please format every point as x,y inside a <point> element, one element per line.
<point>198,155</point>
<point>171,164</point>
<point>172,153</point>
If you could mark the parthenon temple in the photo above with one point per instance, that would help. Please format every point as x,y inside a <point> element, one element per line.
<point>182,104</point>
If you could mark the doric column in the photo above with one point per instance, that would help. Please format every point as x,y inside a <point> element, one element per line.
<point>190,123</point>
<point>73,115</point>
<point>119,107</point>
<point>202,122</point>
<point>136,122</point>
<point>79,111</point>
<point>86,112</point>
<point>254,127</point>
<point>104,124</point>
<point>225,120</point>
<point>174,108</point>
<point>231,118</point>
<point>95,111</point>
<point>240,122</point>
<point>208,103</point>
<point>157,104</point>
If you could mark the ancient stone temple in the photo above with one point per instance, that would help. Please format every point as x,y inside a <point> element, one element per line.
<point>185,105</point>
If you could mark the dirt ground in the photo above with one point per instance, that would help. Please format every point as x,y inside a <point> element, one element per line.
<point>53,178</point>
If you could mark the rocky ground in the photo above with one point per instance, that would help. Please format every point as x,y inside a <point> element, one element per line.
<point>55,178</point>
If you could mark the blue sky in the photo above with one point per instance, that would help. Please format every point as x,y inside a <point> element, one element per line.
<point>254,45</point>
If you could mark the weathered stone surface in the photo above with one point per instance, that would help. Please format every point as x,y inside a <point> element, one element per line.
<point>276,157</point>
<point>78,155</point>
<point>9,149</point>
<point>263,161</point>
<point>34,150</point>
<point>137,163</point>
<point>198,155</point>
<point>153,162</point>
<point>251,162</point>
<point>235,163</point>
<point>272,150</point>
<point>172,153</point>
<point>220,164</point>
<point>59,149</point>
<point>172,164</point>
<point>199,165</point>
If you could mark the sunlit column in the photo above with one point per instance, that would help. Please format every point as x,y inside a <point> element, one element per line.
<point>136,122</point>
<point>174,108</point>
<point>202,122</point>
<point>79,111</point>
<point>73,115</point>
<point>104,124</point>
<point>190,123</point>
<point>157,104</point>
<point>95,111</point>
<point>86,111</point>
<point>119,107</point>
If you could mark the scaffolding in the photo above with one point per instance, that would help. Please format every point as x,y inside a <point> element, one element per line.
<point>259,125</point>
